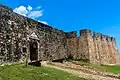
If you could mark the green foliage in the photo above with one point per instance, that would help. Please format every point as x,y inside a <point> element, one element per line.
<point>20,72</point>
<point>70,58</point>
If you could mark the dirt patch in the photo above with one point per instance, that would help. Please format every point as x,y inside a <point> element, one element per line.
<point>82,71</point>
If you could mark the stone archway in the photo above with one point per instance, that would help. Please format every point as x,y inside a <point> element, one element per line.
<point>33,50</point>
<point>34,47</point>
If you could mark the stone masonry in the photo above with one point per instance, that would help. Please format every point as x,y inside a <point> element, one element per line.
<point>22,37</point>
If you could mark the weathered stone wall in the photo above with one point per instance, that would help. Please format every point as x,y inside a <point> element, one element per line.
<point>72,44</point>
<point>16,33</point>
<point>98,47</point>
<point>83,48</point>
<point>94,47</point>
<point>53,43</point>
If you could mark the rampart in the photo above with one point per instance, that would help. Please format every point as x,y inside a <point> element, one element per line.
<point>92,46</point>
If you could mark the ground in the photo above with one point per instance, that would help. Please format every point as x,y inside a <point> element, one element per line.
<point>20,72</point>
<point>85,70</point>
<point>73,70</point>
<point>106,68</point>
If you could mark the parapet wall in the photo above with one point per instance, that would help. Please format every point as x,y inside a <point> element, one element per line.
<point>93,46</point>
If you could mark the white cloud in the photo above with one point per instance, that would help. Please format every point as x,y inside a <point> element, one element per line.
<point>21,10</point>
<point>29,8</point>
<point>30,12</point>
<point>35,14</point>
<point>44,22</point>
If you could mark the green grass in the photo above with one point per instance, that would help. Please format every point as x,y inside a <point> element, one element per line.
<point>20,72</point>
<point>114,69</point>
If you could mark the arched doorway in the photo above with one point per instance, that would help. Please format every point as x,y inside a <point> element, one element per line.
<point>33,50</point>
<point>34,47</point>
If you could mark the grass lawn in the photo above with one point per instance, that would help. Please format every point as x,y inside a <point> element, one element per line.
<point>114,69</point>
<point>20,72</point>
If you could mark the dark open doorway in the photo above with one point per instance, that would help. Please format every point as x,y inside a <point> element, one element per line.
<point>33,51</point>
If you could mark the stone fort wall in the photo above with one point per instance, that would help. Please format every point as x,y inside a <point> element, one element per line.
<point>15,31</point>
<point>92,46</point>
<point>53,44</point>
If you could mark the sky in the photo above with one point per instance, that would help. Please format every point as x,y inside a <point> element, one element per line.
<point>73,15</point>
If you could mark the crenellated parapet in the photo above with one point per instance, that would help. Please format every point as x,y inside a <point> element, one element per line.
<point>113,39</point>
<point>103,37</point>
<point>109,39</point>
<point>72,34</point>
<point>93,46</point>
<point>94,35</point>
<point>85,32</point>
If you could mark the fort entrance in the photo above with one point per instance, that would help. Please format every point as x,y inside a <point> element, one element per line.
<point>34,47</point>
<point>33,50</point>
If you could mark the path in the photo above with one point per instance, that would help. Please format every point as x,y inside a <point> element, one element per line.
<point>80,73</point>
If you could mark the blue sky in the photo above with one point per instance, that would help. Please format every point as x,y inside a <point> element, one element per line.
<point>98,15</point>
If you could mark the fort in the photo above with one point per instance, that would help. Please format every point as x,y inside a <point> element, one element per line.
<point>22,37</point>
